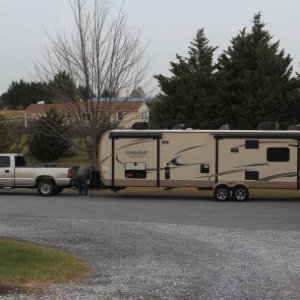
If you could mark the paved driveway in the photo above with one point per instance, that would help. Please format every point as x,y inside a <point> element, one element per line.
<point>164,247</point>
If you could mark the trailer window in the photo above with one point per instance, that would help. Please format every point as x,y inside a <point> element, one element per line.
<point>278,154</point>
<point>4,161</point>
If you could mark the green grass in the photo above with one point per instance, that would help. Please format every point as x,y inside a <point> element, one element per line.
<point>30,264</point>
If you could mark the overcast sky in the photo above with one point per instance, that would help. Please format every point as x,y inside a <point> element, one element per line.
<point>167,25</point>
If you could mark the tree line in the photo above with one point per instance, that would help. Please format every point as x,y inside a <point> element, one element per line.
<point>20,94</point>
<point>250,83</point>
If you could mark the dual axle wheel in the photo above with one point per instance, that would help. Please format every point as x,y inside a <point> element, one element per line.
<point>239,193</point>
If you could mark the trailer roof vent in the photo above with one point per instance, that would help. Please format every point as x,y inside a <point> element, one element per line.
<point>140,125</point>
<point>294,127</point>
<point>269,126</point>
<point>179,126</point>
<point>225,127</point>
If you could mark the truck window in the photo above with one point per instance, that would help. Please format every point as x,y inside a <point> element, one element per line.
<point>4,161</point>
<point>20,161</point>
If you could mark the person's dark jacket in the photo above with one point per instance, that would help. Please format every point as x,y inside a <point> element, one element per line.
<point>84,171</point>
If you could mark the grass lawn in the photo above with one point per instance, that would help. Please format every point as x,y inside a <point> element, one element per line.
<point>12,114</point>
<point>24,264</point>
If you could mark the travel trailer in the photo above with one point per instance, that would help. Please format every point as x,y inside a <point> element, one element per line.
<point>230,162</point>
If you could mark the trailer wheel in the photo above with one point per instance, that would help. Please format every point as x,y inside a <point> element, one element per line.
<point>46,187</point>
<point>222,193</point>
<point>240,193</point>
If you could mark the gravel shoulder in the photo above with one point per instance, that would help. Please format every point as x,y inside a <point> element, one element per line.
<point>144,259</point>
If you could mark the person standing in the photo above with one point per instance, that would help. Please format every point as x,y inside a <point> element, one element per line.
<point>83,174</point>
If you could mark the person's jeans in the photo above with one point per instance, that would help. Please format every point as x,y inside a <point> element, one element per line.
<point>82,186</point>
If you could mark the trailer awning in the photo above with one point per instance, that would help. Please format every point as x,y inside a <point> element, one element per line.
<point>256,135</point>
<point>128,135</point>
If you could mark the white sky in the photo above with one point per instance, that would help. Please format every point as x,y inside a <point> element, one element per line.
<point>167,25</point>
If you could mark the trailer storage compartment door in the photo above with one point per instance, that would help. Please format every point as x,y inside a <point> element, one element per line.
<point>135,159</point>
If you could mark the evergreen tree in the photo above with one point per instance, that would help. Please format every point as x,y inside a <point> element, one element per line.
<point>257,77</point>
<point>50,138</point>
<point>62,88</point>
<point>190,95</point>
<point>22,94</point>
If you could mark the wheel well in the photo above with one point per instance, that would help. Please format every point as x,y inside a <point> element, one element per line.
<point>220,184</point>
<point>241,184</point>
<point>232,186</point>
<point>44,177</point>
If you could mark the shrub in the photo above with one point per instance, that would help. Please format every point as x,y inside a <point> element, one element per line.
<point>51,137</point>
<point>5,141</point>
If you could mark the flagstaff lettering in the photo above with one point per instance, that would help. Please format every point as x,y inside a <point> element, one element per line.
<point>136,154</point>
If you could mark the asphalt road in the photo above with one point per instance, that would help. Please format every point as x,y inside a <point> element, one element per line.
<point>164,246</point>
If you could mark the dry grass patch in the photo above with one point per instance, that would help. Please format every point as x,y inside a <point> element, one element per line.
<point>24,265</point>
<point>12,114</point>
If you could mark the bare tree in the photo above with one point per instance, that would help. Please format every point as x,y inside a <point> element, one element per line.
<point>103,59</point>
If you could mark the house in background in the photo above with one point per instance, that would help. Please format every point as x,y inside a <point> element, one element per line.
<point>125,112</point>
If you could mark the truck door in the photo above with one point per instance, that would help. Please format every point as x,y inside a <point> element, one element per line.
<point>6,171</point>
<point>135,160</point>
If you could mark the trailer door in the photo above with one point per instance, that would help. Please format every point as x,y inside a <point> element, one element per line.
<point>135,159</point>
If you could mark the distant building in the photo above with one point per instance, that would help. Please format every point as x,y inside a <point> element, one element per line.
<point>125,112</point>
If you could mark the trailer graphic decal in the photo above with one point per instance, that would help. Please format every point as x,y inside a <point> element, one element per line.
<point>282,175</point>
<point>224,173</point>
<point>136,153</point>
<point>190,148</point>
<point>128,145</point>
<point>253,165</point>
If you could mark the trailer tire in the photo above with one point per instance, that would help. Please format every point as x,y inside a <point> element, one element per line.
<point>46,187</point>
<point>222,193</point>
<point>240,193</point>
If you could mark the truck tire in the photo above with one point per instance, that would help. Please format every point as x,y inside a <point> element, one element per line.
<point>240,193</point>
<point>46,187</point>
<point>222,193</point>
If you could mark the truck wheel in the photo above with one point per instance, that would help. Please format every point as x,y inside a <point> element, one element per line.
<point>222,193</point>
<point>240,193</point>
<point>46,187</point>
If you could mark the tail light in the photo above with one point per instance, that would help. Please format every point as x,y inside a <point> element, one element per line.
<point>69,173</point>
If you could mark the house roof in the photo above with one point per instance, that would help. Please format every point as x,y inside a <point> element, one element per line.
<point>120,99</point>
<point>109,106</point>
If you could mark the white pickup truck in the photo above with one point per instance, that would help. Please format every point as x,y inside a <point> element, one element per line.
<point>48,180</point>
